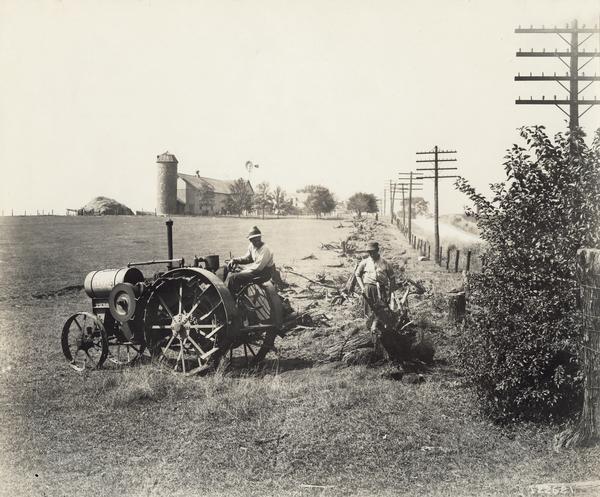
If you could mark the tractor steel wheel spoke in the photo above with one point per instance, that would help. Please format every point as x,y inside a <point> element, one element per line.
<point>165,306</point>
<point>198,297</point>
<point>210,313</point>
<point>196,346</point>
<point>162,353</point>
<point>180,296</point>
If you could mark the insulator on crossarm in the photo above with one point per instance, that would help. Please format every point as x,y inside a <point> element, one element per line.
<point>542,74</point>
<point>554,97</point>
<point>554,74</point>
<point>530,74</point>
<point>530,97</point>
<point>543,97</point>
<point>543,50</point>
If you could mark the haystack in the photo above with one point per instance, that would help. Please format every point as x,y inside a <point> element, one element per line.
<point>104,206</point>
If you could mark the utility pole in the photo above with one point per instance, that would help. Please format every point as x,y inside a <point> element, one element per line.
<point>403,207</point>
<point>573,76</point>
<point>412,185</point>
<point>436,177</point>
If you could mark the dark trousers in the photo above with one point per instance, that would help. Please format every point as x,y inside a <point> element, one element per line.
<point>371,298</point>
<point>235,281</point>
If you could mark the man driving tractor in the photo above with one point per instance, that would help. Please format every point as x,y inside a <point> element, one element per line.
<point>259,264</point>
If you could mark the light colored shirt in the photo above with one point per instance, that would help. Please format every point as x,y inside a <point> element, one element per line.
<point>260,258</point>
<point>373,272</point>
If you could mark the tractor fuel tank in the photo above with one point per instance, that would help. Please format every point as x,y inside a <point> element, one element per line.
<point>98,284</point>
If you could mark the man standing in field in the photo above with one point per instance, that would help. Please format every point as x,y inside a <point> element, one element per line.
<point>375,277</point>
<point>259,262</point>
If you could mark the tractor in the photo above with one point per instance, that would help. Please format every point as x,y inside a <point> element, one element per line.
<point>184,318</point>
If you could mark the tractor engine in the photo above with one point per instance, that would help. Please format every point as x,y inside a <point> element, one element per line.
<point>115,295</point>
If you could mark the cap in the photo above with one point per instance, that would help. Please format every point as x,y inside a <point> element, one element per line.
<point>254,233</point>
<point>372,247</point>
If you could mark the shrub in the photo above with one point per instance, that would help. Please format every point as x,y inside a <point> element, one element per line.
<point>520,343</point>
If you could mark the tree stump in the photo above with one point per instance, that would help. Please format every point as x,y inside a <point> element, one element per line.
<point>457,304</point>
<point>588,276</point>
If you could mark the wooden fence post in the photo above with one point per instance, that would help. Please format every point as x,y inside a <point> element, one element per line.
<point>457,304</point>
<point>441,255</point>
<point>456,261</point>
<point>588,276</point>
<point>429,251</point>
<point>448,259</point>
<point>468,266</point>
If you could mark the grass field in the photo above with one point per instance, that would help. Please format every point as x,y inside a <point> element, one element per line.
<point>300,427</point>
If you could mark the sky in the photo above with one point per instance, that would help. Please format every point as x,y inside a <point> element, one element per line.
<point>334,92</point>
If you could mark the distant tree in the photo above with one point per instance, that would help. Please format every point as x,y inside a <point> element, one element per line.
<point>206,198</point>
<point>362,202</point>
<point>319,201</point>
<point>420,206</point>
<point>240,199</point>
<point>279,201</point>
<point>263,198</point>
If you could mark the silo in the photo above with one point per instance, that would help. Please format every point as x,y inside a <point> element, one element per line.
<point>166,185</point>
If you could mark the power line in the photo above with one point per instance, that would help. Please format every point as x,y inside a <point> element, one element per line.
<point>436,177</point>
<point>573,76</point>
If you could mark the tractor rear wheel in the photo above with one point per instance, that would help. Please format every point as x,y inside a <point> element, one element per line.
<point>188,320</point>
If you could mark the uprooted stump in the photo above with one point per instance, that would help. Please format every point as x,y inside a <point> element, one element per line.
<point>399,342</point>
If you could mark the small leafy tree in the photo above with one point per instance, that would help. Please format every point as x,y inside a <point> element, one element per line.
<point>319,201</point>
<point>240,199</point>
<point>520,344</point>
<point>280,202</point>
<point>263,198</point>
<point>362,202</point>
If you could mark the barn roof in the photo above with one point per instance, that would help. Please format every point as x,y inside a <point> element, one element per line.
<point>218,185</point>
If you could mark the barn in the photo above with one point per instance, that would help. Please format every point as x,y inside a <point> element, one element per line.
<point>199,195</point>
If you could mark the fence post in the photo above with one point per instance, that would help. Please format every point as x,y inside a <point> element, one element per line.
<point>440,255</point>
<point>468,261</point>
<point>456,261</point>
<point>588,276</point>
<point>448,258</point>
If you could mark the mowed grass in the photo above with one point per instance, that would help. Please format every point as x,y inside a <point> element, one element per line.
<point>299,431</point>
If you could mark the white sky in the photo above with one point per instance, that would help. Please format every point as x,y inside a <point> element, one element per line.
<point>338,92</point>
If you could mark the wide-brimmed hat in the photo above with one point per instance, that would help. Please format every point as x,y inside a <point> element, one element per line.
<point>254,233</point>
<point>372,247</point>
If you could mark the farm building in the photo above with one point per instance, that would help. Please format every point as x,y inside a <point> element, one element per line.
<point>191,194</point>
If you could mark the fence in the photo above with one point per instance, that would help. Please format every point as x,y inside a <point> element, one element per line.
<point>450,257</point>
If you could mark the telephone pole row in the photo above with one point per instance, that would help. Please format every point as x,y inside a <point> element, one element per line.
<point>436,177</point>
<point>413,185</point>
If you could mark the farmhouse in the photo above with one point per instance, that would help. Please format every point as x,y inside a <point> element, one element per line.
<point>192,194</point>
